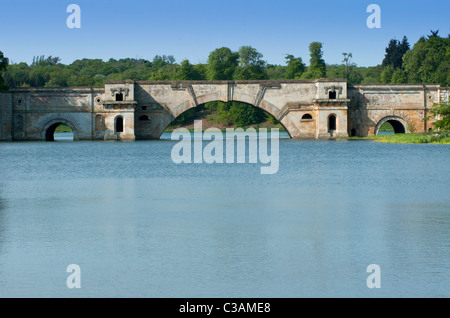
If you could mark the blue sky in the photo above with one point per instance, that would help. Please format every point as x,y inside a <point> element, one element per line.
<point>192,29</point>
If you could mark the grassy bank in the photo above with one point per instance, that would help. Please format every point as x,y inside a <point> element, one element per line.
<point>442,137</point>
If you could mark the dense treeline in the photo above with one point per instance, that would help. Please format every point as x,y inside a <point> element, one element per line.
<point>427,62</point>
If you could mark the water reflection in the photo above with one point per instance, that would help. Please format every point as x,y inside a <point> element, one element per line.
<point>63,136</point>
<point>140,225</point>
<point>2,222</point>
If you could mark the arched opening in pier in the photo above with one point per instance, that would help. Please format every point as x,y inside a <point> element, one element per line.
<point>119,124</point>
<point>389,126</point>
<point>222,115</point>
<point>331,123</point>
<point>59,132</point>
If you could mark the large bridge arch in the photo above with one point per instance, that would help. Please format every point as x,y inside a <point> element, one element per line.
<point>48,130</point>
<point>246,99</point>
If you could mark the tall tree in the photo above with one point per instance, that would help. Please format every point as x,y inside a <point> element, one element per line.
<point>317,67</point>
<point>294,67</point>
<point>346,61</point>
<point>3,66</point>
<point>42,61</point>
<point>251,66</point>
<point>159,61</point>
<point>404,46</point>
<point>429,61</point>
<point>222,64</point>
<point>395,52</point>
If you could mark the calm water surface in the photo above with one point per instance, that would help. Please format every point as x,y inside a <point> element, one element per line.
<point>138,225</point>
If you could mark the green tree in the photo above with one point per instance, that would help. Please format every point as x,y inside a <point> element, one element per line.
<point>38,77</point>
<point>62,77</point>
<point>395,52</point>
<point>355,74</point>
<point>166,73</point>
<point>3,65</point>
<point>317,67</point>
<point>275,72</point>
<point>222,64</point>
<point>159,61</point>
<point>251,66</point>
<point>399,76</point>
<point>236,113</point>
<point>386,74</point>
<point>371,74</point>
<point>42,61</point>
<point>346,61</point>
<point>185,71</point>
<point>17,75</point>
<point>429,61</point>
<point>442,112</point>
<point>294,67</point>
<point>201,70</point>
<point>243,114</point>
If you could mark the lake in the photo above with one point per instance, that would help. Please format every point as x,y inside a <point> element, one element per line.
<point>139,225</point>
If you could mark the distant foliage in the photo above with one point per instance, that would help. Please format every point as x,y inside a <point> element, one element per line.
<point>236,113</point>
<point>187,71</point>
<point>427,62</point>
<point>442,112</point>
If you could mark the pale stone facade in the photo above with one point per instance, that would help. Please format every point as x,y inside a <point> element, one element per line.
<point>404,105</point>
<point>128,110</point>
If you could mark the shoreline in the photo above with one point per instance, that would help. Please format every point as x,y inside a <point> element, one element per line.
<point>437,138</point>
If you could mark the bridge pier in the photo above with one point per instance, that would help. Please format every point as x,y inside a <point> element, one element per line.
<point>6,115</point>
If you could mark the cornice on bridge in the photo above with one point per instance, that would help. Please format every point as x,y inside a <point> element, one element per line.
<point>397,86</point>
<point>199,82</point>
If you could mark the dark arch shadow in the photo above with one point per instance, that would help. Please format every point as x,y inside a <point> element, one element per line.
<point>397,124</point>
<point>48,133</point>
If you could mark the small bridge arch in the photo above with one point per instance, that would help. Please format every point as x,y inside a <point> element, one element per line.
<point>399,124</point>
<point>48,131</point>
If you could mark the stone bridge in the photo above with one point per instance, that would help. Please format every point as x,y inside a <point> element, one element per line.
<point>129,110</point>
